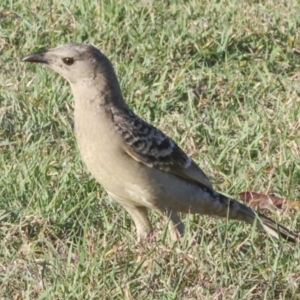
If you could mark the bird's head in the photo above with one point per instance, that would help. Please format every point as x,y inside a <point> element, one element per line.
<point>88,71</point>
<point>75,62</point>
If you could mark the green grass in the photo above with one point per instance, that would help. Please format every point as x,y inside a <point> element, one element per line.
<point>220,77</point>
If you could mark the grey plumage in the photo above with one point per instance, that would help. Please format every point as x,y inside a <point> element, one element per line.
<point>138,165</point>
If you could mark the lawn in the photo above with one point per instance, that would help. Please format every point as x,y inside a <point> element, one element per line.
<point>221,78</point>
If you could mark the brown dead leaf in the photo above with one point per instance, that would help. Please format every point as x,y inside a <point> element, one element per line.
<point>262,201</point>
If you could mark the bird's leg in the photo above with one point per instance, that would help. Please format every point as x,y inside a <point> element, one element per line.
<point>141,221</point>
<point>176,227</point>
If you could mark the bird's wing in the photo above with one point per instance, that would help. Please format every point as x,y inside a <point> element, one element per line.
<point>148,145</point>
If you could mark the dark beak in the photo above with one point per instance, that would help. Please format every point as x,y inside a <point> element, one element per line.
<point>37,57</point>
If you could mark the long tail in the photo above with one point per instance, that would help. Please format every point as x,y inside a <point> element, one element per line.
<point>239,211</point>
<point>277,230</point>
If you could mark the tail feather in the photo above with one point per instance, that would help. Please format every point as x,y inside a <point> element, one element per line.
<point>242,212</point>
<point>277,230</point>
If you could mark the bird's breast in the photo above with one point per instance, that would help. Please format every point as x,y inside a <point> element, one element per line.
<point>101,149</point>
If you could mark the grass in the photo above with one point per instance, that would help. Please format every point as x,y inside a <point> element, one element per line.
<point>221,78</point>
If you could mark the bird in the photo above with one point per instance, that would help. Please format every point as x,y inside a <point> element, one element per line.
<point>139,166</point>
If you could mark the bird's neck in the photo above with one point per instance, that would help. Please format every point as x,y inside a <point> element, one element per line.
<point>97,95</point>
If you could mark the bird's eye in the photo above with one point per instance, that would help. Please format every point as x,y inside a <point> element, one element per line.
<point>68,61</point>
